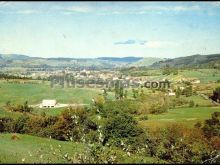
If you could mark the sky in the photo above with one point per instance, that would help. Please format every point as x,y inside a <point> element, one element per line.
<point>109,29</point>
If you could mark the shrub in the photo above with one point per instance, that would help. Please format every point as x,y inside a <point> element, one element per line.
<point>15,137</point>
<point>212,126</point>
<point>178,144</point>
<point>121,126</point>
<point>20,124</point>
<point>145,117</point>
<point>191,103</point>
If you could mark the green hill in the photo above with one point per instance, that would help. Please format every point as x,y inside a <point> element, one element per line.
<point>147,61</point>
<point>191,61</point>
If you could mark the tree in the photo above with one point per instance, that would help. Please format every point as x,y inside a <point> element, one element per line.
<point>20,125</point>
<point>126,94</point>
<point>178,92</point>
<point>166,70</point>
<point>188,91</point>
<point>212,126</point>
<point>105,94</point>
<point>120,126</point>
<point>99,102</point>
<point>121,93</point>
<point>117,90</point>
<point>191,103</point>
<point>135,93</point>
<point>216,95</point>
<point>175,71</point>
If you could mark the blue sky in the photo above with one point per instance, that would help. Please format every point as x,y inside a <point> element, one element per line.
<point>117,29</point>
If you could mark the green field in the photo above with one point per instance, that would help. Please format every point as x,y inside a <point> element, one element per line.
<point>185,116</point>
<point>35,93</point>
<point>35,149</point>
<point>31,149</point>
<point>204,75</point>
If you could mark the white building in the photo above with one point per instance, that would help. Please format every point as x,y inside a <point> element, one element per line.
<point>171,93</point>
<point>48,103</point>
<point>196,81</point>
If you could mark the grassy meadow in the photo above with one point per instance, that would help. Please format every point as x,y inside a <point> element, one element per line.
<point>35,93</point>
<point>185,116</point>
<point>31,149</point>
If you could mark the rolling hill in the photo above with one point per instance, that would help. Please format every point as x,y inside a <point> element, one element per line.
<point>23,61</point>
<point>190,61</point>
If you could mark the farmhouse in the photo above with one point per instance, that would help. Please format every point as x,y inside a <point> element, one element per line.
<point>195,81</point>
<point>171,93</point>
<point>48,103</point>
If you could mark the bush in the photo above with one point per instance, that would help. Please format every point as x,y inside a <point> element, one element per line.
<point>15,137</point>
<point>121,126</point>
<point>6,124</point>
<point>212,126</point>
<point>191,103</point>
<point>177,144</point>
<point>145,117</point>
<point>20,124</point>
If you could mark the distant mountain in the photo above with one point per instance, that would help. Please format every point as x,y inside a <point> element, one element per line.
<point>13,56</point>
<point>147,61</point>
<point>189,61</point>
<point>23,61</point>
<point>122,59</point>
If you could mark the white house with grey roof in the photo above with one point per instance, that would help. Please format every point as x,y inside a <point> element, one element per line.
<point>48,103</point>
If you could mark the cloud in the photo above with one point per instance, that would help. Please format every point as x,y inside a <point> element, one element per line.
<point>80,9</point>
<point>27,12</point>
<point>4,3</point>
<point>216,3</point>
<point>125,42</point>
<point>170,8</point>
<point>130,42</point>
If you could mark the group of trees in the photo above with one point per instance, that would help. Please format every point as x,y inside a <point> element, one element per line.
<point>72,124</point>
<point>187,91</point>
<point>167,70</point>
<point>19,107</point>
<point>8,76</point>
<point>216,95</point>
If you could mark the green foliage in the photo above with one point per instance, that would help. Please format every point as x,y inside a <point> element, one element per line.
<point>112,108</point>
<point>121,126</point>
<point>96,154</point>
<point>212,126</point>
<point>191,103</point>
<point>145,117</point>
<point>178,92</point>
<point>19,108</point>
<point>188,91</point>
<point>20,124</point>
<point>6,124</point>
<point>166,70</point>
<point>135,93</point>
<point>177,144</point>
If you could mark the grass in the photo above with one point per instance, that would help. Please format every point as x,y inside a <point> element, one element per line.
<point>48,111</point>
<point>5,113</point>
<point>205,75</point>
<point>35,93</point>
<point>31,148</point>
<point>199,100</point>
<point>185,116</point>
